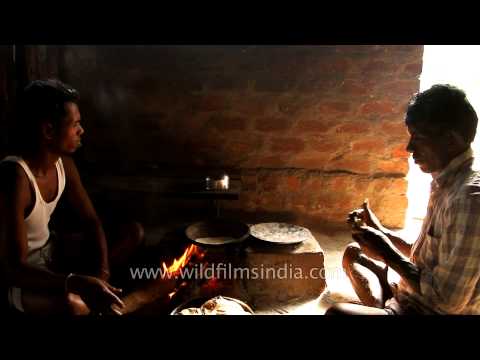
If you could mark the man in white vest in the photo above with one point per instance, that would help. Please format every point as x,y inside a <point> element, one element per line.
<point>32,183</point>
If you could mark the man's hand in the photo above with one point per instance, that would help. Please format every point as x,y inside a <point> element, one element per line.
<point>379,244</point>
<point>373,241</point>
<point>103,274</point>
<point>364,216</point>
<point>96,293</point>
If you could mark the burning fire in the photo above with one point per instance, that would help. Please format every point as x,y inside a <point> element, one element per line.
<point>177,265</point>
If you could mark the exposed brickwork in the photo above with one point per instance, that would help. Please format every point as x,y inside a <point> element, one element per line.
<point>325,122</point>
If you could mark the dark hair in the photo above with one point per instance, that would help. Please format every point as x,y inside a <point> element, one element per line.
<point>444,107</point>
<point>41,101</point>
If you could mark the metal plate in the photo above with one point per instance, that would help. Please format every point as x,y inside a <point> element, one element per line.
<point>217,232</point>
<point>280,233</point>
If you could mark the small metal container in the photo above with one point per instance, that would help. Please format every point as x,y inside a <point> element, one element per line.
<point>217,183</point>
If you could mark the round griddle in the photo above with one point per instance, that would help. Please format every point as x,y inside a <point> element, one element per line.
<point>217,232</point>
<point>280,233</point>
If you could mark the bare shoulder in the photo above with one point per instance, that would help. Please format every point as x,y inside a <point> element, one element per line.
<point>71,171</point>
<point>68,163</point>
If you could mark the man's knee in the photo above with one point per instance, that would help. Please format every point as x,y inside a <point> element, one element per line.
<point>351,254</point>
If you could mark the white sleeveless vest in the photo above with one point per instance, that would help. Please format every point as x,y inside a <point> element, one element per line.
<point>37,221</point>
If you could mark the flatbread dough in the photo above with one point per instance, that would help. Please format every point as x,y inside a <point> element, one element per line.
<point>217,306</point>
<point>191,311</point>
<point>221,306</point>
<point>280,233</point>
<point>218,240</point>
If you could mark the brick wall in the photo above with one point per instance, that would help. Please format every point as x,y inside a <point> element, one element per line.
<point>311,130</point>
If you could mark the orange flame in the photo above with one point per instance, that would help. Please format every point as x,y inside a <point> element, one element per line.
<point>179,264</point>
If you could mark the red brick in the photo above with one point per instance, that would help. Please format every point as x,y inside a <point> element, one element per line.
<point>227,123</point>
<point>249,182</point>
<point>301,200</point>
<point>394,128</point>
<point>388,186</point>
<point>400,151</point>
<point>401,88</point>
<point>252,105</point>
<point>271,202</point>
<point>359,165</point>
<point>413,70</point>
<point>269,162</point>
<point>378,186</point>
<point>334,107</point>
<point>369,145</point>
<point>272,124</point>
<point>292,105</point>
<point>314,126</point>
<point>398,186</point>
<point>350,50</point>
<point>241,147</point>
<point>328,66</point>
<point>314,185</point>
<point>392,211</point>
<point>211,103</point>
<point>339,203</point>
<point>340,184</point>
<point>330,146</point>
<point>378,107</point>
<point>397,166</point>
<point>237,150</point>
<point>310,162</point>
<point>269,182</point>
<point>288,145</point>
<point>354,127</point>
<point>407,49</point>
<point>379,67</point>
<point>274,81</point>
<point>317,82</point>
<point>402,105</point>
<point>353,88</point>
<point>207,143</point>
<point>248,200</point>
<point>293,183</point>
<point>361,187</point>
<point>340,65</point>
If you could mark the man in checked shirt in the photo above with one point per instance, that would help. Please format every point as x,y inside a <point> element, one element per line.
<point>440,272</point>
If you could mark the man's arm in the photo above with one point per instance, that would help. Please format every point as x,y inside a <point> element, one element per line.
<point>400,243</point>
<point>366,215</point>
<point>14,199</point>
<point>78,198</point>
<point>451,283</point>
<point>378,243</point>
